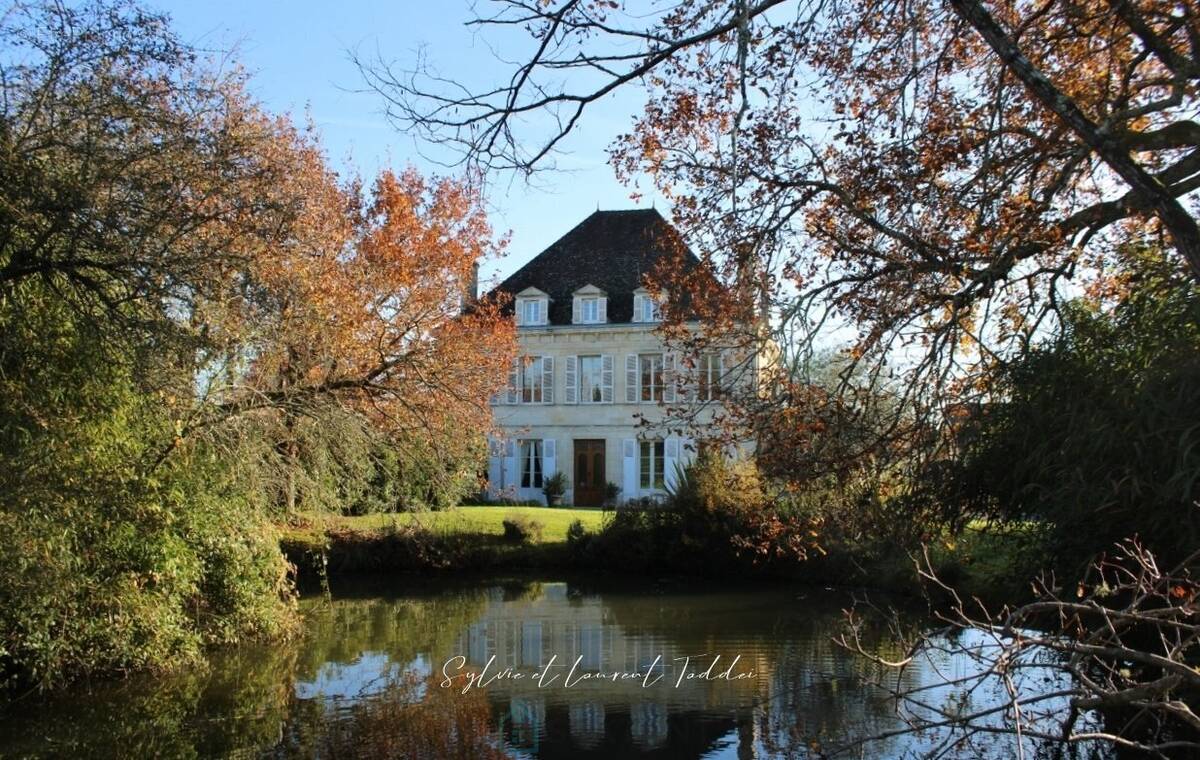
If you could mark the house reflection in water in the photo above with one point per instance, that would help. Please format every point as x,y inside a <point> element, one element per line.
<point>614,634</point>
<point>367,673</point>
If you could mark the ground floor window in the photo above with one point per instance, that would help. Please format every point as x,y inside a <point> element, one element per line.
<point>652,465</point>
<point>531,464</point>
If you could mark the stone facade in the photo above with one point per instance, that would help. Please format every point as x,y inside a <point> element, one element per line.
<point>588,392</point>
<point>619,424</point>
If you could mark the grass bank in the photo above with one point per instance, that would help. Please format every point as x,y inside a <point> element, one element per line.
<point>978,562</point>
<point>464,538</point>
<point>474,520</point>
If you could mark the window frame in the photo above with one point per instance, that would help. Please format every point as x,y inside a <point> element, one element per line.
<point>539,311</point>
<point>708,383</point>
<point>531,454</point>
<point>536,365</point>
<point>599,387</point>
<point>651,309</point>
<point>592,303</point>
<point>655,392</point>
<point>652,451</point>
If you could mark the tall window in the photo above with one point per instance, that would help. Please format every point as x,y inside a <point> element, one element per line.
<point>709,382</point>
<point>532,314</point>
<point>591,379</point>
<point>590,309</point>
<point>531,464</point>
<point>531,642</point>
<point>650,367</point>
<point>651,469</point>
<point>531,381</point>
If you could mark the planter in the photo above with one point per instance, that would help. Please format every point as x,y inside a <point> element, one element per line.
<point>555,488</point>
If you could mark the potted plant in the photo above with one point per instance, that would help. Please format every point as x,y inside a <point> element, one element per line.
<point>611,492</point>
<point>555,486</point>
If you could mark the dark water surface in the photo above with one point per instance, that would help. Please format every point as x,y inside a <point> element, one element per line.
<point>368,678</point>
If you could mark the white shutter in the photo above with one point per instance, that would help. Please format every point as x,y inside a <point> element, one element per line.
<point>549,457</point>
<point>631,378</point>
<point>495,471</point>
<point>669,378</point>
<point>670,459</point>
<point>629,468</point>
<point>576,310</point>
<point>602,310</point>
<point>511,475</point>
<point>606,378</point>
<point>571,380</point>
<point>520,313</point>
<point>513,394</point>
<point>547,379</point>
<point>637,308</point>
<point>687,375</point>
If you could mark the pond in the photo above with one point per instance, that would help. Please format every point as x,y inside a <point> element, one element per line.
<point>517,668</point>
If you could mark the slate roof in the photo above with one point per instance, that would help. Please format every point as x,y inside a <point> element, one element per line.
<point>613,250</point>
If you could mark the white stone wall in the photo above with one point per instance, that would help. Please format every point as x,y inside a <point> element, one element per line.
<point>564,423</point>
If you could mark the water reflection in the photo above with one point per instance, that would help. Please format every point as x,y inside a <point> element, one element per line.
<point>367,680</point>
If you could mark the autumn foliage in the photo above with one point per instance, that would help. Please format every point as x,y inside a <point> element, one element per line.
<point>368,310</point>
<point>201,324</point>
<point>929,182</point>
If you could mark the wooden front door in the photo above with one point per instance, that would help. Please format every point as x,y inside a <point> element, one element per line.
<point>589,473</point>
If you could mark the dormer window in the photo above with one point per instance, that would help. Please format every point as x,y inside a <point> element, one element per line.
<point>532,311</point>
<point>533,307</point>
<point>590,306</point>
<point>646,308</point>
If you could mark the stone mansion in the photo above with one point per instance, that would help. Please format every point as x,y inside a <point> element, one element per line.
<point>591,368</point>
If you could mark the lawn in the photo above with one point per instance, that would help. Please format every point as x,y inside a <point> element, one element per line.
<point>475,520</point>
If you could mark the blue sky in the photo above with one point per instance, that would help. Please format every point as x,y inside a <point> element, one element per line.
<point>297,53</point>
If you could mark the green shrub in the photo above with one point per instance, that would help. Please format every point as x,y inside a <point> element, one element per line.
<point>714,484</point>
<point>522,530</point>
<point>1095,435</point>
<point>576,533</point>
<point>113,562</point>
<point>637,540</point>
<point>579,542</point>
<point>345,466</point>
<point>719,518</point>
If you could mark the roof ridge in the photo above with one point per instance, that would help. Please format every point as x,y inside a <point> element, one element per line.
<point>611,250</point>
